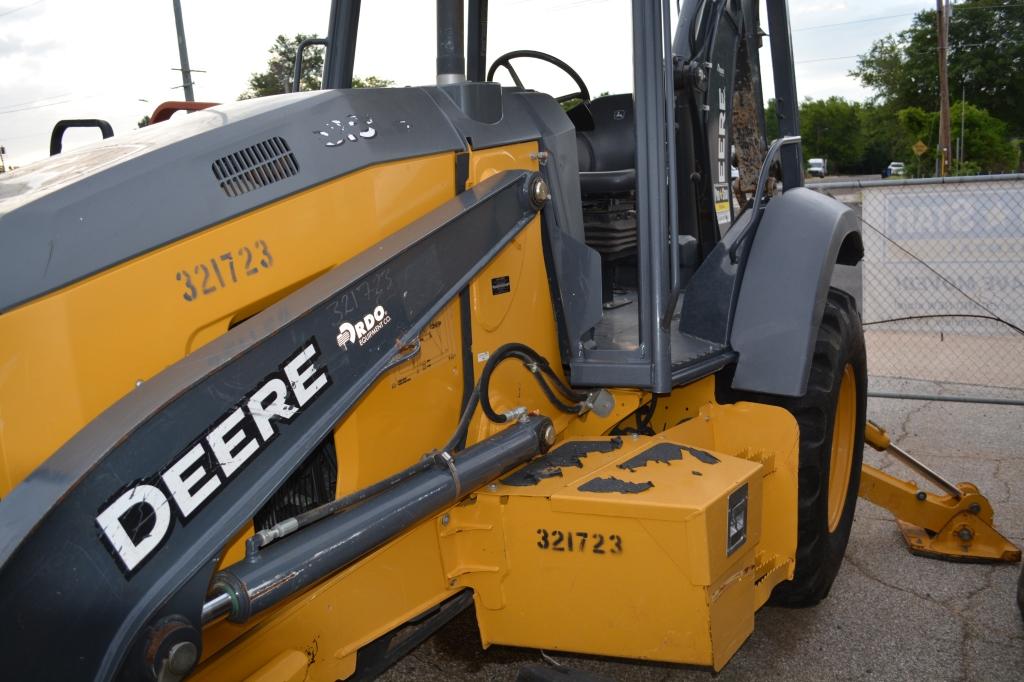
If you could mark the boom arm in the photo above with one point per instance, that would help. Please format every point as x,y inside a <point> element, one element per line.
<point>117,534</point>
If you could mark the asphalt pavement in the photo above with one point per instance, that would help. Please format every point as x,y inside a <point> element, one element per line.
<point>890,616</point>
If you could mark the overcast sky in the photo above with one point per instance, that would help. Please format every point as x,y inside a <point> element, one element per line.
<point>113,59</point>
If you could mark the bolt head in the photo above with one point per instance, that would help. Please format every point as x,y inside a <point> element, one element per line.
<point>445,519</point>
<point>965,534</point>
<point>549,434</point>
<point>539,192</point>
<point>182,658</point>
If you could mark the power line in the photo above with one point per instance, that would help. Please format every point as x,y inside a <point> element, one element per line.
<point>953,47</point>
<point>42,106</point>
<point>855,21</point>
<point>827,59</point>
<point>65,101</point>
<point>34,136</point>
<point>18,9</point>
<point>34,101</point>
<point>956,8</point>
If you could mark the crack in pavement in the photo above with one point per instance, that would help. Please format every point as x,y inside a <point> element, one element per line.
<point>998,478</point>
<point>966,627</point>
<point>870,575</point>
<point>969,631</point>
<point>900,433</point>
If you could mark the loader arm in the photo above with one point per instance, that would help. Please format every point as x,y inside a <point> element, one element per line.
<point>117,534</point>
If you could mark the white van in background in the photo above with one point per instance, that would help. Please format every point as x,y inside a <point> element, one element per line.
<point>817,168</point>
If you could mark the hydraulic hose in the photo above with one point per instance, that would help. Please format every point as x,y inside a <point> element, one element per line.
<point>536,364</point>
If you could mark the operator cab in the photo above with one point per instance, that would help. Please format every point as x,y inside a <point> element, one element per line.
<point>645,240</point>
<point>606,155</point>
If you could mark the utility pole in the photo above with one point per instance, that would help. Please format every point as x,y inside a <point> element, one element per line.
<point>3,166</point>
<point>186,72</point>
<point>942,8</point>
<point>963,113</point>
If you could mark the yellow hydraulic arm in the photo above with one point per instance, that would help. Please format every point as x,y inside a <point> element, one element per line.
<point>956,526</point>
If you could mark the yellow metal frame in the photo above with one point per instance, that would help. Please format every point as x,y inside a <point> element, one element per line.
<point>57,351</point>
<point>671,589</point>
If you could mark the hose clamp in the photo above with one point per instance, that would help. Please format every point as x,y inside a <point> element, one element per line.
<point>450,461</point>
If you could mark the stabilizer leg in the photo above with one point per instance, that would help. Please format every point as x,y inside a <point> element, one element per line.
<point>955,526</point>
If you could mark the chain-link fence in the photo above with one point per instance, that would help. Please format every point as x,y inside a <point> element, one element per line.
<point>943,285</point>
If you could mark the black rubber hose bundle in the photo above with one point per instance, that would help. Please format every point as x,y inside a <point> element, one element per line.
<point>538,366</point>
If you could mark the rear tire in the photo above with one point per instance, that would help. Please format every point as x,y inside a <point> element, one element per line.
<point>831,419</point>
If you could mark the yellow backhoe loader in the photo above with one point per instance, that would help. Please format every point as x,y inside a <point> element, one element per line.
<point>285,384</point>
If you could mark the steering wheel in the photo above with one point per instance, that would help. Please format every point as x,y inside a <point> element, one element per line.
<point>504,60</point>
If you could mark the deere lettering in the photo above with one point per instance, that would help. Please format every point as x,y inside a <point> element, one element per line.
<point>139,519</point>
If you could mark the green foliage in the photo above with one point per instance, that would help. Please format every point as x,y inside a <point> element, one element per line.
<point>771,121</point>
<point>571,103</point>
<point>830,129</point>
<point>884,140</point>
<point>860,138</point>
<point>965,168</point>
<point>986,51</point>
<point>986,142</point>
<point>144,121</point>
<point>277,77</point>
<point>370,82</point>
<point>986,147</point>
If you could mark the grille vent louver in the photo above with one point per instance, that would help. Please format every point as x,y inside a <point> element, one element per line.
<point>256,166</point>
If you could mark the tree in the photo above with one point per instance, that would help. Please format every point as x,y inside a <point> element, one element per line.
<point>371,82</point>
<point>986,147</point>
<point>830,129</point>
<point>986,57</point>
<point>277,78</point>
<point>884,139</point>
<point>771,120</point>
<point>144,121</point>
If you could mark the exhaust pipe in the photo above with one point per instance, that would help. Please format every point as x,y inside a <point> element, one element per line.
<point>451,53</point>
<point>269,575</point>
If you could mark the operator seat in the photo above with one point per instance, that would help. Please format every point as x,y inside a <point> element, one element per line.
<point>606,146</point>
<point>606,149</point>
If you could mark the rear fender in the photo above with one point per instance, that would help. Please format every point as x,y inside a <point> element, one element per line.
<point>802,236</point>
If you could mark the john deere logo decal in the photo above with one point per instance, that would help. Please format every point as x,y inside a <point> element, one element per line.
<point>137,520</point>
